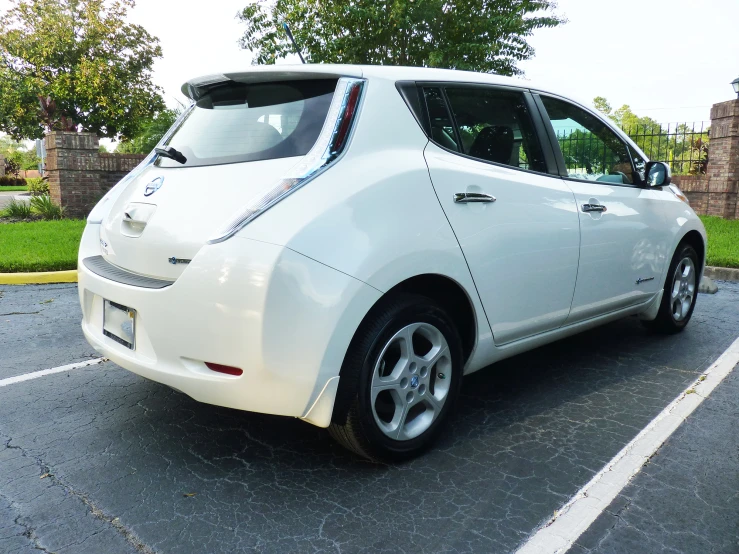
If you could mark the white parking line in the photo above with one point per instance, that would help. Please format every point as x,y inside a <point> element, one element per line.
<point>559,533</point>
<point>45,372</point>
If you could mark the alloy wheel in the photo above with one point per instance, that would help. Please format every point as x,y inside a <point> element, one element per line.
<point>411,381</point>
<point>683,289</point>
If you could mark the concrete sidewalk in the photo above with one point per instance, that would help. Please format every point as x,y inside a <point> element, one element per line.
<point>7,196</point>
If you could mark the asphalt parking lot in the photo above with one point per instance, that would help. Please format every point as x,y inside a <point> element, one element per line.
<point>99,460</point>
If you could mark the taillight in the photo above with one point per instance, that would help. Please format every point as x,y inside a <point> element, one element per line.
<point>345,123</point>
<point>227,369</point>
<point>330,145</point>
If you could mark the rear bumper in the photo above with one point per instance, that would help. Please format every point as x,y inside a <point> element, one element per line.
<point>282,318</point>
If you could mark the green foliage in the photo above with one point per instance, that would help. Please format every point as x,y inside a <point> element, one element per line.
<point>38,186</point>
<point>17,153</point>
<point>723,241</point>
<point>75,65</point>
<point>476,35</point>
<point>40,245</point>
<point>602,105</point>
<point>45,207</point>
<point>152,131</point>
<point>12,167</point>
<point>17,210</point>
<point>8,181</point>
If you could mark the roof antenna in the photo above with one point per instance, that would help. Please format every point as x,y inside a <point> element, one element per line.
<point>292,39</point>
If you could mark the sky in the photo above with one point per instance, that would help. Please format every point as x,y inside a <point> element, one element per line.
<point>667,59</point>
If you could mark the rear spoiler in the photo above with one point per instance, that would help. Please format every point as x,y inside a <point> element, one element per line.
<point>196,88</point>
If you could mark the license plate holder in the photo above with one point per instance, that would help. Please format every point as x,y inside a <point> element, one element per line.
<point>119,323</point>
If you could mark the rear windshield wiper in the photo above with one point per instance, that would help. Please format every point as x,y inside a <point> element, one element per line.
<point>171,153</point>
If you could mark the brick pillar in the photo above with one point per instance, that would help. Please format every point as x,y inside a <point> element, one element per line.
<point>2,165</point>
<point>723,164</point>
<point>73,167</point>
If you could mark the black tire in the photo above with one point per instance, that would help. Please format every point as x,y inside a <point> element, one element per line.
<point>354,425</point>
<point>666,322</point>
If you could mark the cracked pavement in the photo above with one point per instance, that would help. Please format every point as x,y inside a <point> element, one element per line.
<point>101,460</point>
<point>686,499</point>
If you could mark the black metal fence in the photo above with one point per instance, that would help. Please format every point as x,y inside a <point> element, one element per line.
<point>683,146</point>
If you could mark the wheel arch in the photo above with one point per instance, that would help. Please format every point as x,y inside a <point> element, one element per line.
<point>449,294</point>
<point>695,239</point>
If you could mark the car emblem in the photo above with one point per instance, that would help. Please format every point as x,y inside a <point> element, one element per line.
<point>154,186</point>
<point>175,261</point>
<point>414,381</point>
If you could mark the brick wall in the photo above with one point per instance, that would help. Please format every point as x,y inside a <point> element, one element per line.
<point>79,175</point>
<point>723,167</point>
<point>695,188</point>
<point>716,192</point>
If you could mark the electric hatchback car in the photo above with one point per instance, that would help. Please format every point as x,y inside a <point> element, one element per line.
<point>341,244</point>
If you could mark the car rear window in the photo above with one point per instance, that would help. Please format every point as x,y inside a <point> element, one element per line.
<point>239,122</point>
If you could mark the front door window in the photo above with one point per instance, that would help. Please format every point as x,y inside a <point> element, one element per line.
<point>591,150</point>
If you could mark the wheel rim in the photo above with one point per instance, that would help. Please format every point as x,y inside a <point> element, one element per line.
<point>410,381</point>
<point>683,289</point>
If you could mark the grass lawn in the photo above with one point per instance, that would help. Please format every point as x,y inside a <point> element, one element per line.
<point>13,189</point>
<point>40,245</point>
<point>723,241</point>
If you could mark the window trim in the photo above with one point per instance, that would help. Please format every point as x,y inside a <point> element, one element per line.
<point>554,143</point>
<point>537,124</point>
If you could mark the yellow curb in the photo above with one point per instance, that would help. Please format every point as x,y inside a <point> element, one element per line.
<point>38,278</point>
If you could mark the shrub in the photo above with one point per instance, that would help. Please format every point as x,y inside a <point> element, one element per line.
<point>8,181</point>
<point>17,210</point>
<point>38,186</point>
<point>45,207</point>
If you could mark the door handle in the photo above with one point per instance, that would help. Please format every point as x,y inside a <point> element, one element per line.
<point>594,208</point>
<point>467,197</point>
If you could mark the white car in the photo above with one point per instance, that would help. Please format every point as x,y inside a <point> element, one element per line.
<point>342,244</point>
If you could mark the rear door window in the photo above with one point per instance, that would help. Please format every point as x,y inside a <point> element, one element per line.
<point>238,122</point>
<point>442,128</point>
<point>494,125</point>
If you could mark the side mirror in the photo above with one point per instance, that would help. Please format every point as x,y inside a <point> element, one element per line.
<point>658,174</point>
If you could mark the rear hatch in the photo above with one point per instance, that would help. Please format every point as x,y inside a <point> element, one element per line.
<point>238,140</point>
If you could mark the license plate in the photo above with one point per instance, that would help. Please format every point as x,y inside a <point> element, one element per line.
<point>119,324</point>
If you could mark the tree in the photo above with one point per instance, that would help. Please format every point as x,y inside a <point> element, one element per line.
<point>152,131</point>
<point>75,65</point>
<point>602,105</point>
<point>477,35</point>
<point>21,157</point>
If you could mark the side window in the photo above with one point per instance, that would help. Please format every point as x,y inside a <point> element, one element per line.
<point>495,125</point>
<point>442,130</point>
<point>591,150</point>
